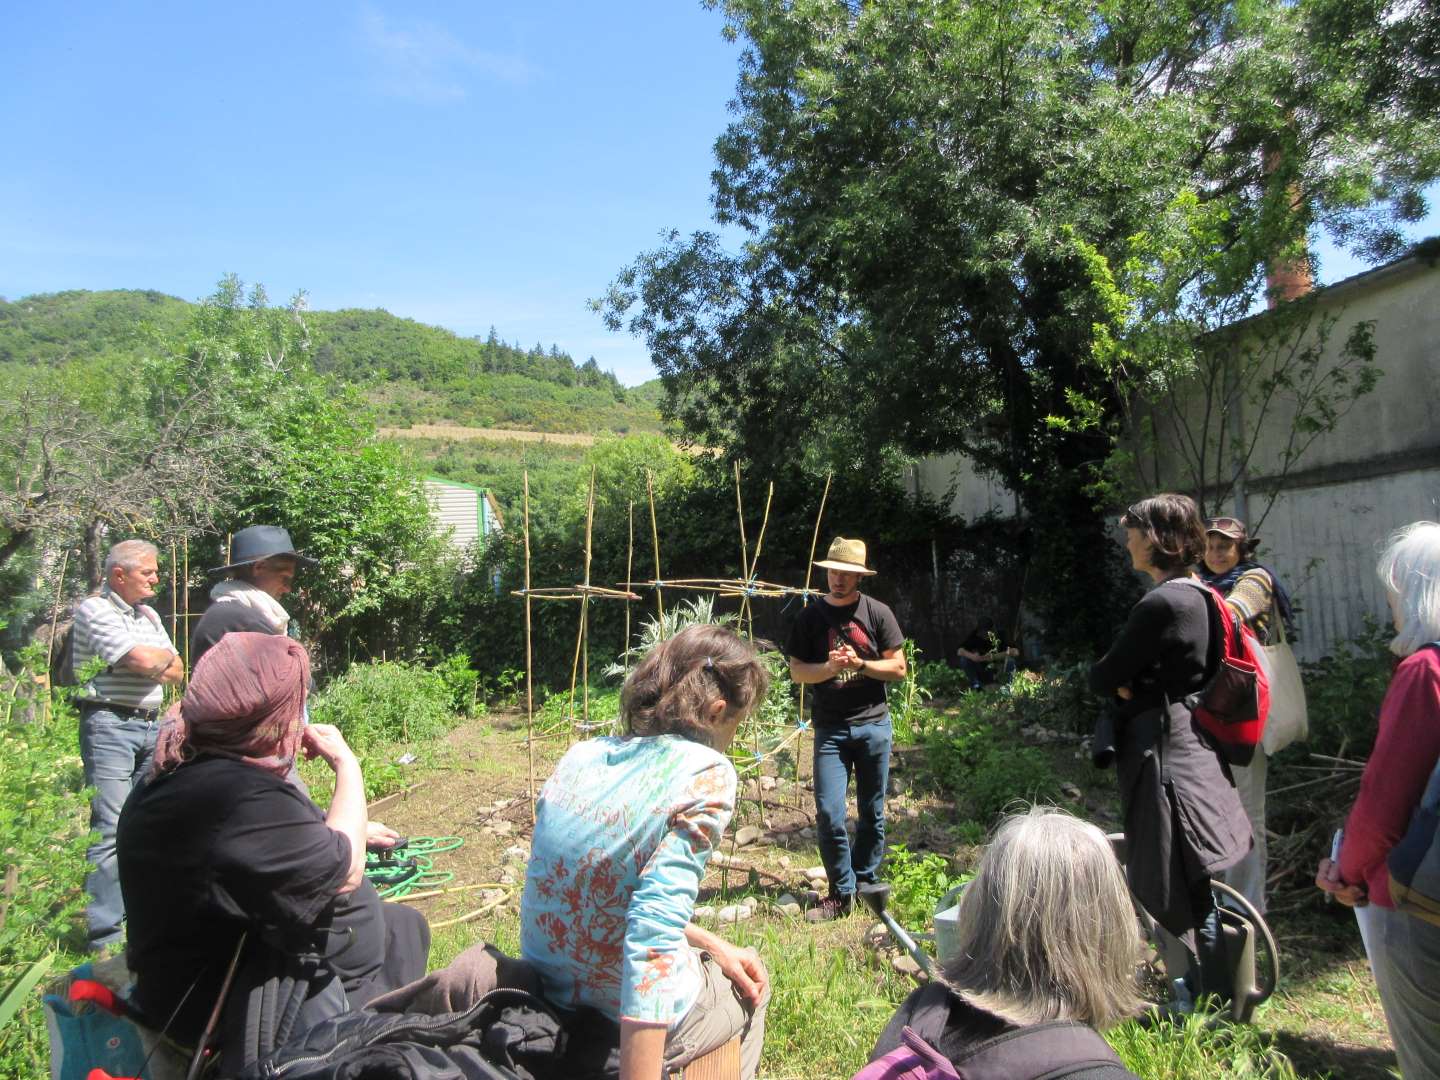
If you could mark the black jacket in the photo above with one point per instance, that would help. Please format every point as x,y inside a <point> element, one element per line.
<point>506,1035</point>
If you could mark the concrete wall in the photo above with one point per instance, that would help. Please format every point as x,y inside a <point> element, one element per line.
<point>1378,470</point>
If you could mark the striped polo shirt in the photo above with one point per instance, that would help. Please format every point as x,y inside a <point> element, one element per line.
<point>107,627</point>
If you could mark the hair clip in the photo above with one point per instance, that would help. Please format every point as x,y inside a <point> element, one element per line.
<point>709,664</point>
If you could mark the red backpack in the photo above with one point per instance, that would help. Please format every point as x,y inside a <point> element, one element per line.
<point>1234,702</point>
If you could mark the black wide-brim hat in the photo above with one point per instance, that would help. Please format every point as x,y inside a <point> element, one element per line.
<point>260,542</point>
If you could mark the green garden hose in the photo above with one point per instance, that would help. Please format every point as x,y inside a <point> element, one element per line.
<point>396,875</point>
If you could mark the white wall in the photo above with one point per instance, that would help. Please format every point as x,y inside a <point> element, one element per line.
<point>1379,469</point>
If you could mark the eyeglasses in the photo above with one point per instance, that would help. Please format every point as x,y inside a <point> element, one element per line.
<point>1134,519</point>
<point>1226,523</point>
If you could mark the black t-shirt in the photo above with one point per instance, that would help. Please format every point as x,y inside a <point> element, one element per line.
<point>868,627</point>
<point>204,852</point>
<point>985,642</point>
<point>224,618</point>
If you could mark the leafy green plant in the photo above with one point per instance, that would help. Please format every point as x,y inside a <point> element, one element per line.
<point>974,755</point>
<point>388,702</point>
<point>1343,692</point>
<point>43,837</point>
<point>462,681</point>
<point>505,689</point>
<point>907,700</point>
<point>917,882</point>
<point>938,679</point>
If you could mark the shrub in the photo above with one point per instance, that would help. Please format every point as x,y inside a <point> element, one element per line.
<point>939,679</point>
<point>389,702</point>
<point>973,753</point>
<point>43,837</point>
<point>1343,693</point>
<point>462,681</point>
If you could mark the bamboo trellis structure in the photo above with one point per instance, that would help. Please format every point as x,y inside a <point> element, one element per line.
<point>745,588</point>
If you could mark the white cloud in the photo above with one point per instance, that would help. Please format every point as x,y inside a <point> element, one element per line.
<point>425,62</point>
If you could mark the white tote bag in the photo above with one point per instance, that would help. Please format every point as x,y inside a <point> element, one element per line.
<point>1289,720</point>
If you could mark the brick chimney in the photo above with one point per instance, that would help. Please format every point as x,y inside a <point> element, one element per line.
<point>1286,277</point>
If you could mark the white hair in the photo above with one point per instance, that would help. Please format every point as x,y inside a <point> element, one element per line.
<point>1410,570</point>
<point>1046,929</point>
<point>128,554</point>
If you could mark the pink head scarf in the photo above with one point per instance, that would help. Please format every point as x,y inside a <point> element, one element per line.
<point>245,701</point>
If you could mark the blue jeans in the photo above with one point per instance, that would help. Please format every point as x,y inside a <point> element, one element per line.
<point>841,749</point>
<point>116,751</point>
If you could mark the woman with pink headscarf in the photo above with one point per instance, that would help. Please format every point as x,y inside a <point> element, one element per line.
<point>218,844</point>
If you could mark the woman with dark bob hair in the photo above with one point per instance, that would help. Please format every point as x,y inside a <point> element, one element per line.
<point>623,831</point>
<point>1183,819</point>
<point>1046,936</point>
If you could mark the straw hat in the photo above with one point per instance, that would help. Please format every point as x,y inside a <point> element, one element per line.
<point>847,555</point>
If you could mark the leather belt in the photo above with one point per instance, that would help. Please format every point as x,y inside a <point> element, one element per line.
<point>121,710</point>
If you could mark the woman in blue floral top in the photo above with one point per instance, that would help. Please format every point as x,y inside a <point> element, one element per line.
<point>623,831</point>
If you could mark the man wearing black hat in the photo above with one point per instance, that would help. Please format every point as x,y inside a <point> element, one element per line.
<point>848,645</point>
<point>262,568</point>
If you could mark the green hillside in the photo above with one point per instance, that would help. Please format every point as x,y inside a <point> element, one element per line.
<point>411,372</point>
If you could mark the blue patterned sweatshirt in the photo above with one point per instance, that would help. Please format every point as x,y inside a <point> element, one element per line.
<point>623,830</point>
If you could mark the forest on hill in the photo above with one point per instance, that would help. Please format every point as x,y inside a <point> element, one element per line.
<point>410,372</point>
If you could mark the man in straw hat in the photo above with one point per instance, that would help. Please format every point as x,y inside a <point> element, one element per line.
<point>848,645</point>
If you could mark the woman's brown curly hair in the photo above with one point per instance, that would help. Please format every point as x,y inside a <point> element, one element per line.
<point>670,690</point>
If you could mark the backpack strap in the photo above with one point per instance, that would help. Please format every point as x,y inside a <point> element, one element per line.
<point>1038,1052</point>
<point>932,1013</point>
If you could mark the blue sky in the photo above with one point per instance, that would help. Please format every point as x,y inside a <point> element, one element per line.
<point>464,164</point>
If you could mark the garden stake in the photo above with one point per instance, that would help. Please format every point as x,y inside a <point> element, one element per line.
<point>185,573</point>
<point>655,539</point>
<point>750,575</point>
<point>744,551</point>
<point>629,573</point>
<point>805,599</point>
<point>174,600</point>
<point>55,614</point>
<point>529,657</point>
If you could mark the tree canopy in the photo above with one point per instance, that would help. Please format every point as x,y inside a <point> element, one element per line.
<point>980,227</point>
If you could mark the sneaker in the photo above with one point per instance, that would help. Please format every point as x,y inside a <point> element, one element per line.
<point>832,907</point>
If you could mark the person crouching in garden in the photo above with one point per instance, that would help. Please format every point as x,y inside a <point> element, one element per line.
<point>623,831</point>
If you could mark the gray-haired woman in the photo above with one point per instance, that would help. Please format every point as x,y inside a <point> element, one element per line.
<point>1404,950</point>
<point>1047,933</point>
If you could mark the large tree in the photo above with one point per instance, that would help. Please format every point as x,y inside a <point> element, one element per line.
<point>979,226</point>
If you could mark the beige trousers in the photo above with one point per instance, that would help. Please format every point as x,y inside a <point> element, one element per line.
<point>717,1016</point>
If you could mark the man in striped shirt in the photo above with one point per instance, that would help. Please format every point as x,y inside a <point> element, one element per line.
<point>119,710</point>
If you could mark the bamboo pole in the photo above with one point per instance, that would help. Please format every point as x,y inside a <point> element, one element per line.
<point>759,543</point>
<point>174,594</point>
<point>750,576</point>
<point>185,586</point>
<point>744,548</point>
<point>809,570</point>
<point>629,573</point>
<point>655,540</point>
<point>55,611</point>
<point>529,656</point>
<point>585,602</point>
